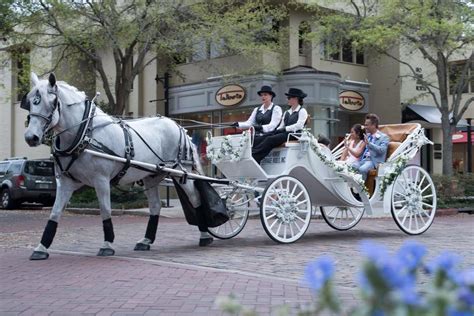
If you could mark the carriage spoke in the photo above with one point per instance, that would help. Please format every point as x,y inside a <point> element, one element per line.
<point>417,176</point>
<point>284,231</point>
<point>294,189</point>
<point>424,189</point>
<point>299,194</point>
<point>422,180</point>
<point>427,196</point>
<point>271,216</point>
<point>296,224</point>
<point>332,210</point>
<point>273,224</point>
<point>426,204</point>
<point>304,201</point>
<point>300,218</point>
<point>304,211</point>
<point>401,210</point>
<point>278,230</point>
<point>410,220</point>
<point>291,230</point>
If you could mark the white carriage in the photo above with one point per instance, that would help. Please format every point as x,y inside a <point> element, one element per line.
<point>302,177</point>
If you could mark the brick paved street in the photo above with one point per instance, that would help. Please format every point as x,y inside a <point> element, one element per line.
<point>178,278</point>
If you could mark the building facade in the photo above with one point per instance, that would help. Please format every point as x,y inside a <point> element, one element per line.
<point>342,87</point>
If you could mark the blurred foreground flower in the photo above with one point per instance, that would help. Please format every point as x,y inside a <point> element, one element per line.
<point>388,284</point>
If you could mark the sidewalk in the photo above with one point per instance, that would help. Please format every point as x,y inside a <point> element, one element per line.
<point>175,211</point>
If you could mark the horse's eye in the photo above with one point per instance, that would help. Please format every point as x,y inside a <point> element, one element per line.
<point>37,98</point>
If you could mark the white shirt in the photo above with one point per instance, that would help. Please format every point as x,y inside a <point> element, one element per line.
<point>270,127</point>
<point>302,116</point>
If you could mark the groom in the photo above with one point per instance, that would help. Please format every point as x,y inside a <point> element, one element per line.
<point>376,144</point>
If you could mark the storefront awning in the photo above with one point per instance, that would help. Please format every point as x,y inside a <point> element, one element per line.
<point>461,137</point>
<point>428,115</point>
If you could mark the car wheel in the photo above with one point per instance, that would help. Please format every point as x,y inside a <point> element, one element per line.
<point>7,201</point>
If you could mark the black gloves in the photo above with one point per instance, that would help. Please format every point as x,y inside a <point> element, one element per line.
<point>258,128</point>
<point>235,124</point>
<point>280,130</point>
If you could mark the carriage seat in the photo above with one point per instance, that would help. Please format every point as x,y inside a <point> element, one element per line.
<point>294,141</point>
<point>397,134</point>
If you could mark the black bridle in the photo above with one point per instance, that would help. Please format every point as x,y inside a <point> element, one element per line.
<point>25,104</point>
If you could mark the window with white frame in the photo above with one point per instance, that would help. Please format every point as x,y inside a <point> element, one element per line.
<point>344,52</point>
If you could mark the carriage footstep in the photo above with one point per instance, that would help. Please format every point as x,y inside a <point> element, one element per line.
<point>141,247</point>
<point>39,255</point>
<point>105,252</point>
<point>203,242</point>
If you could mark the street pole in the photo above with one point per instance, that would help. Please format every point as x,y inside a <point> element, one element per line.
<point>469,145</point>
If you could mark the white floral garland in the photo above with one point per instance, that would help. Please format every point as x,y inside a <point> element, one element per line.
<point>396,166</point>
<point>225,151</point>
<point>338,166</point>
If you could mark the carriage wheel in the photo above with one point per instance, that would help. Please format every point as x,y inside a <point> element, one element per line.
<point>238,203</point>
<point>342,218</point>
<point>413,200</point>
<point>285,209</point>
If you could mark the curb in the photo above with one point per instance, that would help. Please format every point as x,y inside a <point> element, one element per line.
<point>169,212</point>
<point>177,212</point>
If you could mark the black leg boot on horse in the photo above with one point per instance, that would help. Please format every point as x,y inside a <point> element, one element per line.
<point>109,237</point>
<point>150,234</point>
<point>41,253</point>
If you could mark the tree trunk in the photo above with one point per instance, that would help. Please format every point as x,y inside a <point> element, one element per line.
<point>448,131</point>
<point>442,74</point>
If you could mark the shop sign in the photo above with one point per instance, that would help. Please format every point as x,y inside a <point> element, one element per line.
<point>351,100</point>
<point>230,95</point>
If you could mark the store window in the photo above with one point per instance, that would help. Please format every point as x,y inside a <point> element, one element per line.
<point>344,52</point>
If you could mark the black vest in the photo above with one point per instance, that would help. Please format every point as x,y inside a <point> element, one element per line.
<point>291,119</point>
<point>264,118</point>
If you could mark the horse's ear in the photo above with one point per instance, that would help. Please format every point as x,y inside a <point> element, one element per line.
<point>52,79</point>
<point>34,79</point>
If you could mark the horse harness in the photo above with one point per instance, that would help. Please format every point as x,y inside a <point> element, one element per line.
<point>84,139</point>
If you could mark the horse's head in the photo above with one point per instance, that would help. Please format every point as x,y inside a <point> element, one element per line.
<point>43,104</point>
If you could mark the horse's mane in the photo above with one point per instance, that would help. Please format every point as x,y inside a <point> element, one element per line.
<point>69,94</point>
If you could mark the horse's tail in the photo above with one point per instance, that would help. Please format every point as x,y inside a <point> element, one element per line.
<point>196,158</point>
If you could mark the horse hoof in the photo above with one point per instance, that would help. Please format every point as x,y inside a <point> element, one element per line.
<point>141,247</point>
<point>203,242</point>
<point>106,252</point>
<point>39,255</point>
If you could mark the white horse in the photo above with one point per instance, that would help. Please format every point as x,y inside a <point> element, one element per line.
<point>78,124</point>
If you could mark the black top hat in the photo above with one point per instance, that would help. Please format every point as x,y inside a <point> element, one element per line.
<point>266,89</point>
<point>293,92</point>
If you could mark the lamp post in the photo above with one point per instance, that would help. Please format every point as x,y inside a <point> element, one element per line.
<point>469,145</point>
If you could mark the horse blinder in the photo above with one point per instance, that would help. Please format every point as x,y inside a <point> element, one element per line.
<point>25,103</point>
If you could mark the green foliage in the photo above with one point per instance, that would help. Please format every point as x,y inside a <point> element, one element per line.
<point>455,191</point>
<point>121,198</point>
<point>138,32</point>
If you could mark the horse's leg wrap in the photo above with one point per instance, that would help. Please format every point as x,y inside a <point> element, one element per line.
<point>152,227</point>
<point>108,230</point>
<point>49,233</point>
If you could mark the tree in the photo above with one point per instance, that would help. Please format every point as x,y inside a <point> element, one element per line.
<point>440,30</point>
<point>138,32</point>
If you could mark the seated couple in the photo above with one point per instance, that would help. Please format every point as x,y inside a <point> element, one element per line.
<point>364,151</point>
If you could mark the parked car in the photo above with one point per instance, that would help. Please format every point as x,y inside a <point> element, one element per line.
<point>25,180</point>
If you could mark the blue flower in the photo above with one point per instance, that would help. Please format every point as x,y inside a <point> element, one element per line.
<point>465,278</point>
<point>373,251</point>
<point>318,272</point>
<point>447,262</point>
<point>411,253</point>
<point>466,296</point>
